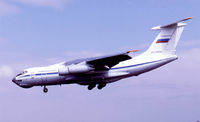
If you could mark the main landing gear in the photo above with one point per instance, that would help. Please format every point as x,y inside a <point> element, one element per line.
<point>45,90</point>
<point>100,86</point>
<point>91,86</point>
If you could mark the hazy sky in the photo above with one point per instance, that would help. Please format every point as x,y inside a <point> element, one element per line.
<point>43,32</point>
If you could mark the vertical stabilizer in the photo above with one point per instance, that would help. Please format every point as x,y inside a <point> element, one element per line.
<point>167,39</point>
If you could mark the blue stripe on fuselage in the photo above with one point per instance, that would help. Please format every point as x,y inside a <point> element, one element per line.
<point>53,73</point>
<point>137,64</point>
<point>39,74</point>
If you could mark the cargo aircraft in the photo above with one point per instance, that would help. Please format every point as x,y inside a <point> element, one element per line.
<point>99,71</point>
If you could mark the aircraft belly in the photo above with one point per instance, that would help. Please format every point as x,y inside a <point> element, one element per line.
<point>108,76</point>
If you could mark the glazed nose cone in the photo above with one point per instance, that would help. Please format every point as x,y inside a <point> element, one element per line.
<point>14,80</point>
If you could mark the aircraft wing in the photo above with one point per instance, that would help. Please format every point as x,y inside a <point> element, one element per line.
<point>104,62</point>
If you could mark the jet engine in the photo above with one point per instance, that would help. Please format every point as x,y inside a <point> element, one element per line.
<point>74,69</point>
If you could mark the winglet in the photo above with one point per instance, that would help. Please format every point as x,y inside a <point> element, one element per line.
<point>132,51</point>
<point>186,19</point>
<point>172,24</point>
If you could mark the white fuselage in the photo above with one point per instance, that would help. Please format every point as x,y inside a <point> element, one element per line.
<point>43,76</point>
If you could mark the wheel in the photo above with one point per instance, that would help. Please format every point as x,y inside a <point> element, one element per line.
<point>91,86</point>
<point>45,90</point>
<point>101,85</point>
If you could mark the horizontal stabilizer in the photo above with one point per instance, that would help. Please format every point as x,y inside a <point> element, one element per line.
<point>172,24</point>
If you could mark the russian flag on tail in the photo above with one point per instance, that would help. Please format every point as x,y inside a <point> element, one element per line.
<point>166,40</point>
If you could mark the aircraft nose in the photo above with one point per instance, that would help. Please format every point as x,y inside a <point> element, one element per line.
<point>14,80</point>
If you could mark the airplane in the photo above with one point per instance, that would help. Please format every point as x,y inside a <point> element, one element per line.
<point>99,71</point>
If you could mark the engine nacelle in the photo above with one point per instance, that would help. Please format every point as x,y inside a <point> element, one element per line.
<point>74,69</point>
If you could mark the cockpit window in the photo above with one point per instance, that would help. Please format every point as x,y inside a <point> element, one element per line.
<point>21,73</point>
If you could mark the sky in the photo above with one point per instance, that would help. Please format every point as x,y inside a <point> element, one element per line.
<point>43,32</point>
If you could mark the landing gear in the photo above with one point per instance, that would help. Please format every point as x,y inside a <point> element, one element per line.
<point>45,90</point>
<point>91,86</point>
<point>101,85</point>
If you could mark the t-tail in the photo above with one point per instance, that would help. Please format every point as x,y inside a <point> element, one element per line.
<point>167,39</point>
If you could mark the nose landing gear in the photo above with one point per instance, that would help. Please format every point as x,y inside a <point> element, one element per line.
<point>45,90</point>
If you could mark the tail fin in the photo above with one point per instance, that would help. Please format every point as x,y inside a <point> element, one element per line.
<point>167,39</point>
